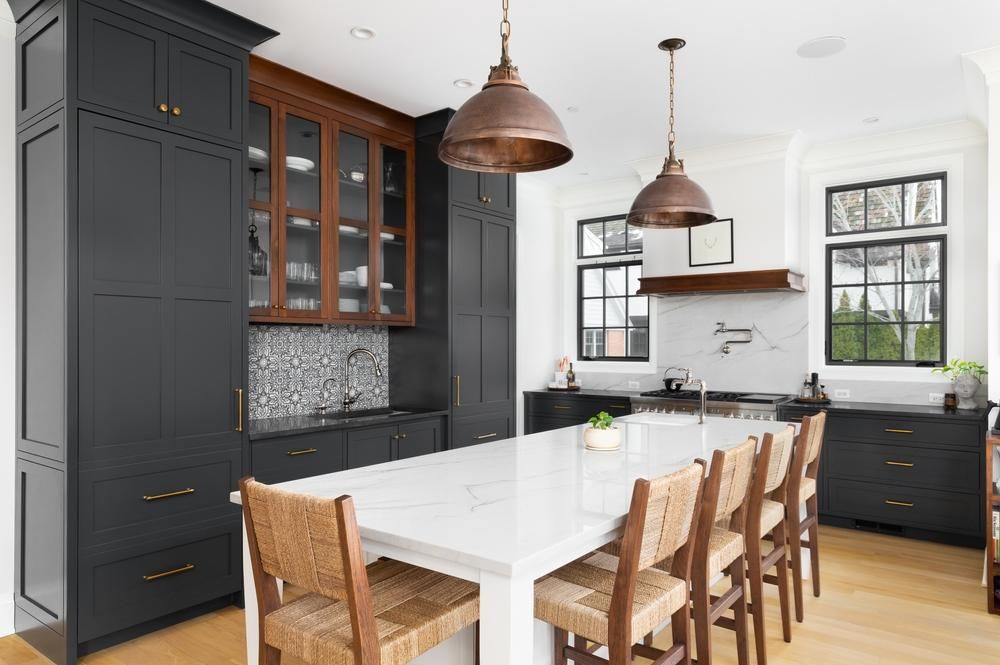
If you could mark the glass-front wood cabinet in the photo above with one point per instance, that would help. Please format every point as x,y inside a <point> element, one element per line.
<point>331,218</point>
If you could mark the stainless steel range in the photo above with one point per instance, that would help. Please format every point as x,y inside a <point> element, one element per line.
<point>749,406</point>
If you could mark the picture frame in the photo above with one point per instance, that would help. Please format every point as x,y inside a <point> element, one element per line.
<point>711,244</point>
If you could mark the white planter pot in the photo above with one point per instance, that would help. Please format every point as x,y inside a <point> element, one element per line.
<point>602,439</point>
<point>965,388</point>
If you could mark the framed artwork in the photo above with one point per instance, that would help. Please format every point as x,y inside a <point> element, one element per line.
<point>711,244</point>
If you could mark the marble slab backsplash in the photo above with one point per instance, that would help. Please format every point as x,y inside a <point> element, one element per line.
<point>288,365</point>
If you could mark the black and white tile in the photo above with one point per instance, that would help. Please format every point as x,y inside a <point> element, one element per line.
<point>288,365</point>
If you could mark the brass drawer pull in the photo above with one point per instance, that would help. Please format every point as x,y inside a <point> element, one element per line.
<point>561,407</point>
<point>304,451</point>
<point>168,573</point>
<point>486,436</point>
<point>458,391</point>
<point>896,430</point>
<point>796,419</point>
<point>890,462</point>
<point>902,504</point>
<point>617,406</point>
<point>167,495</point>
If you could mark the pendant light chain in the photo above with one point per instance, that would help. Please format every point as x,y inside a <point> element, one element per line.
<point>505,36</point>
<point>671,135</point>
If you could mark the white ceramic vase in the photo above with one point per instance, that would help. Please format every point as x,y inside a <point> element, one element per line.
<point>965,388</point>
<point>602,439</point>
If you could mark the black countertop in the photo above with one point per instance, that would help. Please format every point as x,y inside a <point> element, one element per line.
<point>925,410</point>
<point>584,392</point>
<point>269,428</point>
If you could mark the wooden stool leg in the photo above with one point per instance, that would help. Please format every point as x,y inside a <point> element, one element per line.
<point>269,655</point>
<point>812,509</point>
<point>794,539</point>
<point>648,640</point>
<point>701,600</point>
<point>755,578</point>
<point>475,644</point>
<point>680,627</point>
<point>561,642</point>
<point>782,574</point>
<point>737,573</point>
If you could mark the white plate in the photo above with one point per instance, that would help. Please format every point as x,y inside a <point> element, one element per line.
<point>385,285</point>
<point>387,236</point>
<point>350,231</point>
<point>304,222</point>
<point>257,154</point>
<point>385,309</point>
<point>300,164</point>
<point>350,305</point>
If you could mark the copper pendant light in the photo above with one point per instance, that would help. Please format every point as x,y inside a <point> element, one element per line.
<point>672,201</point>
<point>505,128</point>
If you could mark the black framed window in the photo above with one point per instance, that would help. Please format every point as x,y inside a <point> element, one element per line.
<point>884,205</point>
<point>607,236</point>
<point>612,320</point>
<point>886,302</point>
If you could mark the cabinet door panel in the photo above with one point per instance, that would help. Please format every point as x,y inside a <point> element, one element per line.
<point>40,57</point>
<point>467,253</point>
<point>496,191</point>
<point>41,560</point>
<point>497,346</point>
<point>465,187</point>
<point>369,446</point>
<point>122,64</point>
<point>420,438</point>
<point>204,376</point>
<point>299,456</point>
<point>206,87</point>
<point>498,262</point>
<point>467,360</point>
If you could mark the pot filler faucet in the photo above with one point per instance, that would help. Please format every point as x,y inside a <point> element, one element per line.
<point>689,381</point>
<point>348,399</point>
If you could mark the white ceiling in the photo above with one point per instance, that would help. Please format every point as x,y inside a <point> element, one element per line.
<point>738,78</point>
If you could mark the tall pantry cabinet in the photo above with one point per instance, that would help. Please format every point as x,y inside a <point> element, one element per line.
<point>131,335</point>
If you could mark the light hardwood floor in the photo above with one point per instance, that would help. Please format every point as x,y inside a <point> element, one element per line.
<point>885,600</point>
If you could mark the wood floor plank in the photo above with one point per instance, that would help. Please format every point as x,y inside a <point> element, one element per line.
<point>886,601</point>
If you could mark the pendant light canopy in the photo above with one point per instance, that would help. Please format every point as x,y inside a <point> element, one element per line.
<point>505,128</point>
<point>672,201</point>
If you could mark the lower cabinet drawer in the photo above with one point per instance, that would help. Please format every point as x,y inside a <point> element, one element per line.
<point>481,429</point>
<point>903,430</point>
<point>580,407</point>
<point>933,510</point>
<point>950,470</point>
<point>123,588</point>
<point>299,456</point>
<point>544,424</point>
<point>139,499</point>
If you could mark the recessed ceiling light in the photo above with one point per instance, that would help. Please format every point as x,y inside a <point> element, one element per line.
<point>822,47</point>
<point>870,120</point>
<point>462,83</point>
<point>573,109</point>
<point>361,32</point>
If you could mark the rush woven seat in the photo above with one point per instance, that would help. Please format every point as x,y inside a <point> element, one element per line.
<point>387,613</point>
<point>772,514</point>
<point>807,489</point>
<point>617,599</point>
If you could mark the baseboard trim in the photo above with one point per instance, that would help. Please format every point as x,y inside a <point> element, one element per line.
<point>6,617</point>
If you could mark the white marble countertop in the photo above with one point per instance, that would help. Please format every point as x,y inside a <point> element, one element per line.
<point>512,506</point>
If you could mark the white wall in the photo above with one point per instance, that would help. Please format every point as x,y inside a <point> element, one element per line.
<point>7,271</point>
<point>769,186</point>
<point>539,259</point>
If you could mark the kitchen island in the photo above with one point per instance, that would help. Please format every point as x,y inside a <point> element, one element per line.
<point>503,514</point>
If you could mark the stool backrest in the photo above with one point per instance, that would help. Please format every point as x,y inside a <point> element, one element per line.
<point>770,474</point>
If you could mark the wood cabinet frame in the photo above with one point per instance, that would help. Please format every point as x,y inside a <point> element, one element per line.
<point>282,90</point>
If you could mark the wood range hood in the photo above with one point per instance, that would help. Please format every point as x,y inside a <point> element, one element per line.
<point>749,281</point>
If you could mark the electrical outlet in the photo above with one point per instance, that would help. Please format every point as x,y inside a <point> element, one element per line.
<point>842,393</point>
<point>634,385</point>
<point>935,398</point>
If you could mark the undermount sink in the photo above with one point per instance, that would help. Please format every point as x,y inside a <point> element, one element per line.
<point>356,414</point>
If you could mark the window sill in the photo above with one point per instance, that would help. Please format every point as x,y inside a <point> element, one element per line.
<point>611,367</point>
<point>882,373</point>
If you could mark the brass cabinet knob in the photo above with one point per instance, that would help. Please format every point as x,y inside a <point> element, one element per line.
<point>176,111</point>
<point>274,307</point>
<point>162,108</point>
<point>284,307</point>
<point>486,199</point>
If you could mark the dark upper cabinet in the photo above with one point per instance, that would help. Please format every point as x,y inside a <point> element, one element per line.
<point>205,90</point>
<point>491,191</point>
<point>161,322</point>
<point>40,54</point>
<point>133,68</point>
<point>122,64</point>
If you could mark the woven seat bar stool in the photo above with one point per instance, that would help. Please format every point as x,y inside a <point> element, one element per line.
<point>615,600</point>
<point>387,613</point>
<point>801,489</point>
<point>765,514</point>
<point>721,548</point>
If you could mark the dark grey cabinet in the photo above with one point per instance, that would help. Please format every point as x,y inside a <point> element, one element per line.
<point>905,471</point>
<point>544,410</point>
<point>131,337</point>
<point>494,192</point>
<point>297,456</point>
<point>419,438</point>
<point>463,343</point>
<point>127,66</point>
<point>372,445</point>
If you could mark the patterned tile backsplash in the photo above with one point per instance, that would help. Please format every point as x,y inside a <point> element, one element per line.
<point>288,365</point>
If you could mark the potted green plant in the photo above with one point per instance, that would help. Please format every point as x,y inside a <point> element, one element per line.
<point>602,434</point>
<point>966,377</point>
